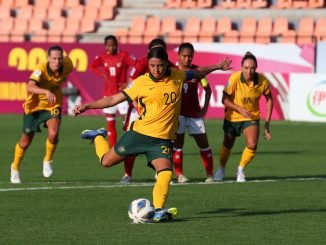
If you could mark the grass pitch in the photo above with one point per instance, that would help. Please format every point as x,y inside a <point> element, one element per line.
<point>283,201</point>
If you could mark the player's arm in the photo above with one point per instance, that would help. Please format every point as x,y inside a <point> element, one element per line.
<point>269,110</point>
<point>96,66</point>
<point>208,93</point>
<point>32,88</point>
<point>227,102</point>
<point>201,72</point>
<point>100,104</point>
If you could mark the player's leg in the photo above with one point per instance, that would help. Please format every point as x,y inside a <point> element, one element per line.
<point>251,134</point>
<point>178,150</point>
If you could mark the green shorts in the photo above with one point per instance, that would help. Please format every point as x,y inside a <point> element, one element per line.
<point>235,129</point>
<point>133,144</point>
<point>32,122</point>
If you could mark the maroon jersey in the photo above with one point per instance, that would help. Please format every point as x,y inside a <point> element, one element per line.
<point>190,102</point>
<point>141,68</point>
<point>115,68</point>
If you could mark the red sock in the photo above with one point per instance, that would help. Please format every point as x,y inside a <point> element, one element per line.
<point>207,159</point>
<point>129,164</point>
<point>177,160</point>
<point>112,132</point>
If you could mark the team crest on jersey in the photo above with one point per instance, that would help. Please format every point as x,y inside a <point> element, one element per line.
<point>105,64</point>
<point>119,64</point>
<point>37,73</point>
<point>175,81</point>
<point>121,149</point>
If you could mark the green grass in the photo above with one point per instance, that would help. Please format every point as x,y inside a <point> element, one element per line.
<point>83,204</point>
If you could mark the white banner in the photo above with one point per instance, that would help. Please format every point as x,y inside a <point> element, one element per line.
<point>307,97</point>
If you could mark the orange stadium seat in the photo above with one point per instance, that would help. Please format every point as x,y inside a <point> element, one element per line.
<point>8,3</point>
<point>207,30</point>
<point>137,29</point>
<point>106,13</point>
<point>21,3</point>
<point>87,25</point>
<point>244,4</point>
<point>289,36</point>
<point>281,25</point>
<point>227,4</point>
<point>18,31</point>
<point>225,31</point>
<point>122,35</point>
<point>205,3</point>
<point>55,29</point>
<point>300,3</point>
<point>39,3</point>
<point>6,25</point>
<point>35,26</point>
<point>168,25</point>
<point>58,3</point>
<point>111,3</point>
<point>54,12</point>
<point>71,30</point>
<point>264,30</point>
<point>248,29</point>
<point>316,3</point>
<point>91,12</point>
<point>173,3</point>
<point>305,30</point>
<point>188,3</point>
<point>152,28</point>
<point>71,3</point>
<point>94,3</point>
<point>320,28</point>
<point>25,12</point>
<point>283,4</point>
<point>259,3</point>
<point>40,12</point>
<point>191,29</point>
<point>76,12</point>
<point>4,12</point>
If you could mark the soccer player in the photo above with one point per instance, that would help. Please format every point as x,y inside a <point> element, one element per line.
<point>192,117</point>
<point>242,114</point>
<point>113,66</point>
<point>158,94</point>
<point>139,69</point>
<point>43,106</point>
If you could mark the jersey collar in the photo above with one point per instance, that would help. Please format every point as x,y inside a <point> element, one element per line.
<point>243,80</point>
<point>50,72</point>
<point>167,73</point>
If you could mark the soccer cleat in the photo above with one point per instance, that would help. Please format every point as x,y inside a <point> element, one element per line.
<point>209,179</point>
<point>126,179</point>
<point>241,178</point>
<point>219,175</point>
<point>166,214</point>
<point>91,134</point>
<point>47,168</point>
<point>182,179</point>
<point>14,176</point>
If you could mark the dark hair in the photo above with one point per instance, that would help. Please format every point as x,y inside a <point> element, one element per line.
<point>159,53</point>
<point>54,48</point>
<point>157,42</point>
<point>111,37</point>
<point>186,46</point>
<point>249,56</point>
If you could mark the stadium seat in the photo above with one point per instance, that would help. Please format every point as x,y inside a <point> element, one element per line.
<point>207,30</point>
<point>283,4</point>
<point>281,25</point>
<point>248,30</point>
<point>173,3</point>
<point>227,4</point>
<point>21,3</point>
<point>316,3</point>
<point>288,37</point>
<point>18,30</point>
<point>320,28</point>
<point>122,35</point>
<point>91,12</point>
<point>58,3</point>
<point>6,25</point>
<point>25,12</point>
<point>71,3</point>
<point>94,3</point>
<point>35,26</point>
<point>111,3</point>
<point>191,29</point>
<point>40,3</point>
<point>54,12</point>
<point>244,4</point>
<point>188,3</point>
<point>8,3</point>
<point>264,30</point>
<point>40,12</point>
<point>106,13</point>
<point>205,3</point>
<point>259,3</point>
<point>152,28</point>
<point>4,12</point>
<point>55,29</point>
<point>299,3</point>
<point>169,24</point>
<point>87,25</point>
<point>305,30</point>
<point>137,29</point>
<point>76,12</point>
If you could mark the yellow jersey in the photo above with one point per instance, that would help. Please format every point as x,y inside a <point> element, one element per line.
<point>46,79</point>
<point>246,96</point>
<point>159,103</point>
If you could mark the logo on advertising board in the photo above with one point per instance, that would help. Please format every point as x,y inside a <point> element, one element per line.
<point>316,101</point>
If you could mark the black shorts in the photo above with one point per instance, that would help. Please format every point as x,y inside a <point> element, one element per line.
<point>33,121</point>
<point>235,129</point>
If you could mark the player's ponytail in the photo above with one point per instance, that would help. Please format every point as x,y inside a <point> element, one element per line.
<point>249,56</point>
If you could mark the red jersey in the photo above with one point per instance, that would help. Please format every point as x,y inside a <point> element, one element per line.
<point>141,68</point>
<point>115,68</point>
<point>190,102</point>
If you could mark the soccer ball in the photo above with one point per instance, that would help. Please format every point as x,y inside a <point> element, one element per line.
<point>141,211</point>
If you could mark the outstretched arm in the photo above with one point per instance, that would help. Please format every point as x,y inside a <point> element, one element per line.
<point>224,65</point>
<point>269,110</point>
<point>100,104</point>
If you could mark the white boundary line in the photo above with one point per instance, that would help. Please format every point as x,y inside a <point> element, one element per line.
<point>72,187</point>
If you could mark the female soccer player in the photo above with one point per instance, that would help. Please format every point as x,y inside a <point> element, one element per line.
<point>242,114</point>
<point>158,95</point>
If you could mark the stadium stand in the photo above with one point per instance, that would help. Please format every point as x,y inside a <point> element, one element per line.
<point>133,21</point>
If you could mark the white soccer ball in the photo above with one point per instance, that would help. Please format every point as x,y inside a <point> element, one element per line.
<point>141,211</point>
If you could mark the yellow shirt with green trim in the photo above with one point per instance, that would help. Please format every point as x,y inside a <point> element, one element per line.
<point>158,103</point>
<point>246,96</point>
<point>46,79</point>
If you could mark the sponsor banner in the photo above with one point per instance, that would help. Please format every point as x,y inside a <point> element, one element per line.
<point>307,97</point>
<point>276,60</point>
